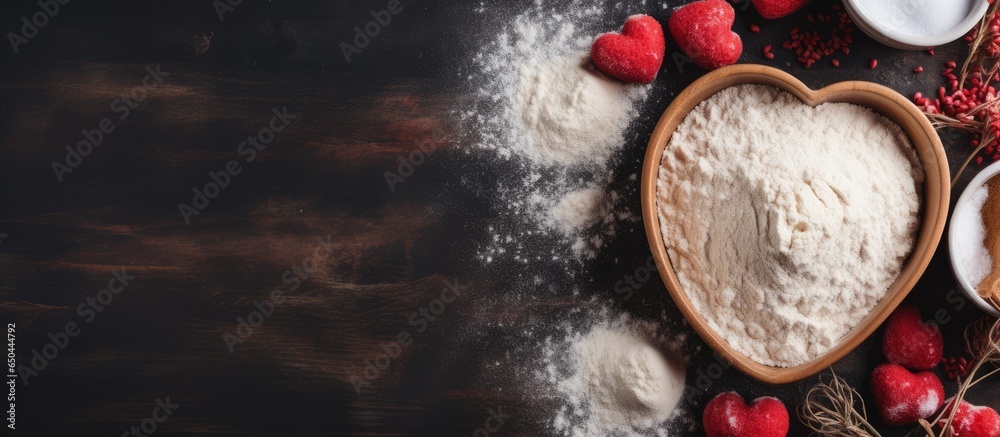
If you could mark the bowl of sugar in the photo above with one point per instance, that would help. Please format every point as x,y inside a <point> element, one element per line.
<point>916,24</point>
<point>974,239</point>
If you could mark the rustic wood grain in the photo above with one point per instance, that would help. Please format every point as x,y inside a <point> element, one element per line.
<point>162,335</point>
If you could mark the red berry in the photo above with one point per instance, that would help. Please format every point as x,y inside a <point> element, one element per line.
<point>635,54</point>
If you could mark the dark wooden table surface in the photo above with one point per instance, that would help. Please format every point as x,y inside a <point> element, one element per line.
<point>65,232</point>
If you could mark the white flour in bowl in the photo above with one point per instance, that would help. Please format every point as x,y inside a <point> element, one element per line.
<point>786,224</point>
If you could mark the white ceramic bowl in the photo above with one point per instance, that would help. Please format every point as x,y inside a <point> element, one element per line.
<point>881,33</point>
<point>953,242</point>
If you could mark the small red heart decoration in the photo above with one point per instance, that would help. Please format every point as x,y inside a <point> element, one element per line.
<point>727,415</point>
<point>703,30</point>
<point>903,397</point>
<point>974,421</point>
<point>635,54</point>
<point>910,342</point>
<point>777,8</point>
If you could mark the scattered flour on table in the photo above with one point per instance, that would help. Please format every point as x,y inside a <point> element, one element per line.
<point>786,224</point>
<point>577,210</point>
<point>975,259</point>
<point>616,377</point>
<point>542,110</point>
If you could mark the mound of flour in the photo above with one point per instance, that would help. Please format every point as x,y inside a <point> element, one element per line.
<point>566,114</point>
<point>542,110</point>
<point>786,224</point>
<point>615,379</point>
<point>552,107</point>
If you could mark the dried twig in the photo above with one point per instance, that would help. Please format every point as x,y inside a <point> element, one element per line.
<point>979,70</point>
<point>977,55</point>
<point>829,410</point>
<point>982,341</point>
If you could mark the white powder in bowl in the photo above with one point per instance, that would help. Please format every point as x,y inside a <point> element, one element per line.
<point>975,259</point>
<point>786,224</point>
<point>918,17</point>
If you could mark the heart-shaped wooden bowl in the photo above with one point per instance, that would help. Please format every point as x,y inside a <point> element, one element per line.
<point>892,105</point>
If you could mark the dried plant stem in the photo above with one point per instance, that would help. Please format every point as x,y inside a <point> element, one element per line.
<point>926,426</point>
<point>988,355</point>
<point>981,378</point>
<point>977,43</point>
<point>980,61</point>
<point>829,410</point>
<point>986,136</point>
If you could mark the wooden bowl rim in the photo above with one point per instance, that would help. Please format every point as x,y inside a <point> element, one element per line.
<point>936,198</point>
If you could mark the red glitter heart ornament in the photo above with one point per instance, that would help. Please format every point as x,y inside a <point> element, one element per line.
<point>777,8</point>
<point>974,421</point>
<point>703,30</point>
<point>910,342</point>
<point>727,415</point>
<point>635,54</point>
<point>903,397</point>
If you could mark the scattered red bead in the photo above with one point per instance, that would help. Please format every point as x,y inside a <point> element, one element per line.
<point>919,69</point>
<point>767,52</point>
<point>930,52</point>
<point>816,42</point>
<point>754,28</point>
<point>835,62</point>
<point>957,368</point>
<point>957,101</point>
